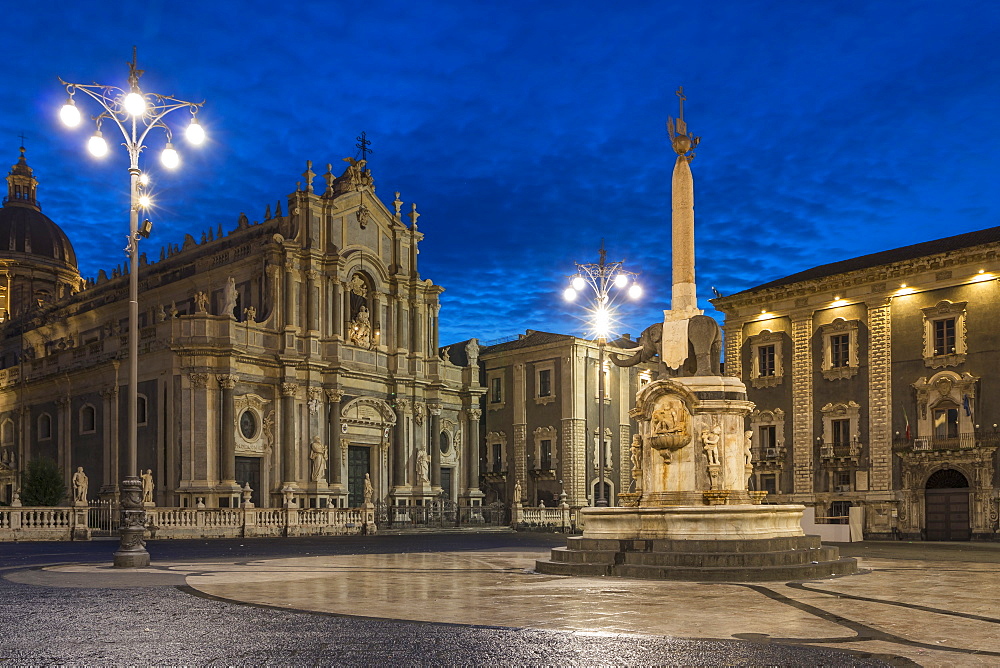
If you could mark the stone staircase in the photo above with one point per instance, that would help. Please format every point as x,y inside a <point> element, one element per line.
<point>749,560</point>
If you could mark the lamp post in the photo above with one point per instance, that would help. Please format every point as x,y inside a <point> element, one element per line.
<point>135,113</point>
<point>601,278</point>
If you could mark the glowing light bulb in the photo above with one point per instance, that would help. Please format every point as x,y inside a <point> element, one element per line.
<point>602,322</point>
<point>621,280</point>
<point>145,201</point>
<point>69,114</point>
<point>195,133</point>
<point>97,146</point>
<point>578,283</point>
<point>134,104</point>
<point>634,291</point>
<point>144,179</point>
<point>169,157</point>
<point>569,294</point>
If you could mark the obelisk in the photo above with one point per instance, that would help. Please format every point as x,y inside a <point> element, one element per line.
<point>684,298</point>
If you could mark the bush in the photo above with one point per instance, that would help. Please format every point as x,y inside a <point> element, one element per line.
<point>43,484</point>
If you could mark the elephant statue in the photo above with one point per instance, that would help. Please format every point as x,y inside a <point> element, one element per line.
<point>704,348</point>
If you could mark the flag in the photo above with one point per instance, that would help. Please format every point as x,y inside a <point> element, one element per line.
<point>907,419</point>
<point>966,406</point>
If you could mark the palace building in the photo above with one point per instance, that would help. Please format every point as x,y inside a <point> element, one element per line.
<point>541,420</point>
<point>294,355</point>
<point>876,382</point>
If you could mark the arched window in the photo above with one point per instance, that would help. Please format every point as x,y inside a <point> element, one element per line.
<point>44,427</point>
<point>7,432</point>
<point>88,419</point>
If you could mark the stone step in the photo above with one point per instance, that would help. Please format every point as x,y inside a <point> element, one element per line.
<point>567,555</point>
<point>729,559</point>
<point>696,546</point>
<point>823,569</point>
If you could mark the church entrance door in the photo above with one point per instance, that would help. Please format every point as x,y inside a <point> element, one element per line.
<point>248,472</point>
<point>358,464</point>
<point>946,509</point>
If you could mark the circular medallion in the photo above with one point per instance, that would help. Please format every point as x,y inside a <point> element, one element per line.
<point>248,425</point>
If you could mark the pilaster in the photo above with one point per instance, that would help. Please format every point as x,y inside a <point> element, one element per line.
<point>802,405</point>
<point>880,396</point>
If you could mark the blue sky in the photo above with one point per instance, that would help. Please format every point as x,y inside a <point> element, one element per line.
<point>527,132</point>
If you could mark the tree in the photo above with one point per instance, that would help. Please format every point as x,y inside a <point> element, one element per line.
<point>42,484</point>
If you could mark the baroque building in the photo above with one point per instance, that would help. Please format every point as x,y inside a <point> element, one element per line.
<point>875,383</point>
<point>295,355</point>
<point>541,420</point>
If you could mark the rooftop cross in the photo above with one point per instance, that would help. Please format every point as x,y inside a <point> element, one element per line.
<point>362,145</point>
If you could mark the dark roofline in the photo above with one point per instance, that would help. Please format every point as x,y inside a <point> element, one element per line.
<point>990,235</point>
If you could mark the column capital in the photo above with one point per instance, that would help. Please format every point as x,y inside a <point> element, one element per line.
<point>109,393</point>
<point>289,389</point>
<point>334,396</point>
<point>227,381</point>
<point>198,380</point>
<point>434,409</point>
<point>474,413</point>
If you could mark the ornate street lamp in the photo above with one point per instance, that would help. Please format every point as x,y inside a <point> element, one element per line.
<point>135,113</point>
<point>601,278</point>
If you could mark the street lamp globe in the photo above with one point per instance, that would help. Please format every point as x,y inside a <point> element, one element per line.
<point>621,280</point>
<point>69,114</point>
<point>569,294</point>
<point>195,133</point>
<point>97,146</point>
<point>169,157</point>
<point>634,291</point>
<point>135,104</point>
<point>578,283</point>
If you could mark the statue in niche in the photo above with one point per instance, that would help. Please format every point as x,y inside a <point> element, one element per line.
<point>80,485</point>
<point>710,441</point>
<point>317,455</point>
<point>668,428</point>
<point>201,302</point>
<point>358,286</point>
<point>423,465</point>
<point>360,329</point>
<point>147,486</point>
<point>229,298</point>
<point>747,447</point>
<point>369,489</point>
<point>517,491</point>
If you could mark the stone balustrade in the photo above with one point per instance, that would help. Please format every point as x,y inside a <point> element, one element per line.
<point>558,517</point>
<point>27,524</point>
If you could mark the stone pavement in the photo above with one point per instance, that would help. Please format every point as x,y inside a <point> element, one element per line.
<point>360,603</point>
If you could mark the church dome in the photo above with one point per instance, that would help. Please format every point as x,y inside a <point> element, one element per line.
<point>24,229</point>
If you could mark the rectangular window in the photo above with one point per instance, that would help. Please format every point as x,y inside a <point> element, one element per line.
<point>946,423</point>
<point>841,432</point>
<point>840,345</point>
<point>497,458</point>
<point>496,390</point>
<point>545,382</point>
<point>765,360</point>
<point>767,437</point>
<point>546,448</point>
<point>769,484</point>
<point>944,336</point>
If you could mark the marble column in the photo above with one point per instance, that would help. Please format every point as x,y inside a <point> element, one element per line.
<point>472,438</point>
<point>399,444</point>
<point>289,471</point>
<point>312,300</point>
<point>333,398</point>
<point>289,302</point>
<point>227,442</point>
<point>434,444</point>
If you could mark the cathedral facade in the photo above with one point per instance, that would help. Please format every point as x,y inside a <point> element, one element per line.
<point>296,355</point>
